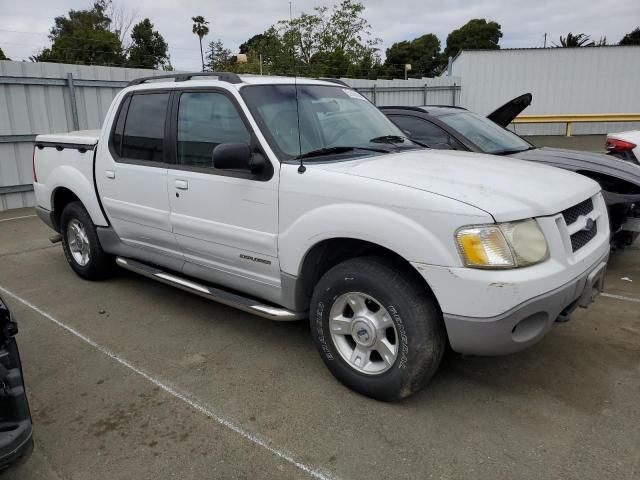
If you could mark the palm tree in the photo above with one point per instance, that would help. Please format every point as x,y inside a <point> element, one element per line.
<point>200,28</point>
<point>579,40</point>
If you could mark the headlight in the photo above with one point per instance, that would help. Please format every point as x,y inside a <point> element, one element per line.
<point>504,245</point>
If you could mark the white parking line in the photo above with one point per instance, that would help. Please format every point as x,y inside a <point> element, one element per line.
<point>17,218</point>
<point>252,437</point>
<point>621,297</point>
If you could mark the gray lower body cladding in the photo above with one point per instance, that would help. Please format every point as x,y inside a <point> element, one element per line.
<point>526,324</point>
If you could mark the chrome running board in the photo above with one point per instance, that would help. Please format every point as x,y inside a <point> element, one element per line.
<point>225,297</point>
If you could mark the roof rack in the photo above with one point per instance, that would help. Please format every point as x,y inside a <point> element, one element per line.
<point>447,106</point>
<point>228,77</point>
<point>335,80</point>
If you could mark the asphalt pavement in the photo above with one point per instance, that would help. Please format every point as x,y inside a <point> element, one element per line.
<point>132,379</point>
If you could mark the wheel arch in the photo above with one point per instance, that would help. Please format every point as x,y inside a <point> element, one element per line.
<point>70,184</point>
<point>327,253</point>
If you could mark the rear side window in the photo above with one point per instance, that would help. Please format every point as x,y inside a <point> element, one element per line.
<point>206,120</point>
<point>143,132</point>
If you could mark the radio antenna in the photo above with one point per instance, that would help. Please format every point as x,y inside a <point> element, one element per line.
<point>301,168</point>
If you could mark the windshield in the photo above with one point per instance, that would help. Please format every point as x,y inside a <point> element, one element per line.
<point>490,137</point>
<point>331,118</point>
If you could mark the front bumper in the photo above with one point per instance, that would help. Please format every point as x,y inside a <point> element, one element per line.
<point>526,324</point>
<point>16,440</point>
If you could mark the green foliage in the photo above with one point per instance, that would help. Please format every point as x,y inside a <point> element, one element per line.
<point>475,34</point>
<point>334,41</point>
<point>218,58</point>
<point>572,41</point>
<point>423,53</point>
<point>84,37</point>
<point>201,30</point>
<point>3,56</point>
<point>200,26</point>
<point>148,49</point>
<point>631,38</point>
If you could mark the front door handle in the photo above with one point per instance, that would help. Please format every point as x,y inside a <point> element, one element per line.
<point>182,185</point>
<point>110,174</point>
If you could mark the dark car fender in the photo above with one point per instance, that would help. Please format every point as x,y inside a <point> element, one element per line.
<point>620,180</point>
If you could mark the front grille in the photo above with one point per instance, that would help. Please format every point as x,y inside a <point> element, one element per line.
<point>582,237</point>
<point>572,214</point>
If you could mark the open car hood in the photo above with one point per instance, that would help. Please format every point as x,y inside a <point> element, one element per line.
<point>505,114</point>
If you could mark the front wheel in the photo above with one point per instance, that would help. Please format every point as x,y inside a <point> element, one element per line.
<point>377,328</point>
<point>81,244</point>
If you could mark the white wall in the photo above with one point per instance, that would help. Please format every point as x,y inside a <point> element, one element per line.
<point>562,81</point>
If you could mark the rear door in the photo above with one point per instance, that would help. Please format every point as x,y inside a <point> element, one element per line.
<point>131,175</point>
<point>225,221</point>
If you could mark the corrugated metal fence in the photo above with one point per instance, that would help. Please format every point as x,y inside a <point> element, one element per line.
<point>47,97</point>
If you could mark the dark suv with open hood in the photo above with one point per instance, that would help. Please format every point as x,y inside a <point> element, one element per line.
<point>15,419</point>
<point>455,128</point>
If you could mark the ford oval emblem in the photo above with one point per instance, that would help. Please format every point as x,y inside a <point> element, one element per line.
<point>363,334</point>
<point>589,225</point>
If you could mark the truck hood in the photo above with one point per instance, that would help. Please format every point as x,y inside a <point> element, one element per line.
<point>506,188</point>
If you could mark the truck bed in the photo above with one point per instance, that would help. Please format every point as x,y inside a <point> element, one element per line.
<point>64,162</point>
<point>79,137</point>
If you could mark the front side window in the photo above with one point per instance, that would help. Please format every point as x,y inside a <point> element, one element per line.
<point>206,120</point>
<point>309,118</point>
<point>143,136</point>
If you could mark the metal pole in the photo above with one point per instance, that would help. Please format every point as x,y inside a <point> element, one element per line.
<point>74,105</point>
<point>450,67</point>
<point>453,95</point>
<point>375,102</point>
<point>424,95</point>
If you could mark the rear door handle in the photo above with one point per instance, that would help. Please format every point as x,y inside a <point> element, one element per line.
<point>110,174</point>
<point>182,185</point>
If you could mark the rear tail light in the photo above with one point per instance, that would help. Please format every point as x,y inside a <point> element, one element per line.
<point>33,163</point>
<point>615,145</point>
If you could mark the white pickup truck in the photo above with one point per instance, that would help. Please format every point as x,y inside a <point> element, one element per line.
<point>298,198</point>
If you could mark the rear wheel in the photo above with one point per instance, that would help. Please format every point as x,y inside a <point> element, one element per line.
<point>81,245</point>
<point>378,330</point>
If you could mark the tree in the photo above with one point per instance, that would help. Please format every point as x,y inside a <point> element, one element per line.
<point>334,41</point>
<point>475,34</point>
<point>423,53</point>
<point>201,30</point>
<point>3,56</point>
<point>579,40</point>
<point>218,58</point>
<point>631,38</point>
<point>148,48</point>
<point>121,20</point>
<point>83,37</point>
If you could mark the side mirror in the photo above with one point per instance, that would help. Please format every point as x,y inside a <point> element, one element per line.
<point>236,156</point>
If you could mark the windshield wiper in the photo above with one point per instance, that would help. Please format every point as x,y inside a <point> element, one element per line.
<point>320,152</point>
<point>392,139</point>
<point>512,150</point>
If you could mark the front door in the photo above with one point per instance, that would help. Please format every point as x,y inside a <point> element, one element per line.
<point>225,221</point>
<point>131,175</point>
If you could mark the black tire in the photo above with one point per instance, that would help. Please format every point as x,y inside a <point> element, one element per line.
<point>417,318</point>
<point>100,264</point>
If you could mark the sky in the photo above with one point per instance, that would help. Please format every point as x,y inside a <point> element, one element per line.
<point>24,25</point>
